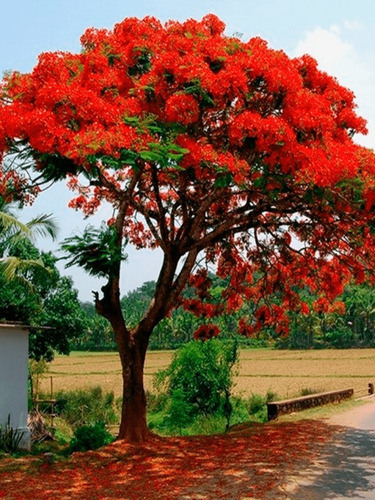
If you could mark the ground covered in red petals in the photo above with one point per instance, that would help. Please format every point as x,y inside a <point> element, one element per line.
<point>251,461</point>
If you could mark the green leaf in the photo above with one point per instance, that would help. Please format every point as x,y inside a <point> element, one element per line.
<point>224,181</point>
<point>164,154</point>
<point>149,156</point>
<point>131,120</point>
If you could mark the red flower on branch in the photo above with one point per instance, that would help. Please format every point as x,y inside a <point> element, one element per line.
<point>206,332</point>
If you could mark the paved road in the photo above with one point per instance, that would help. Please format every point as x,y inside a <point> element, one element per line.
<point>362,417</point>
<point>347,468</point>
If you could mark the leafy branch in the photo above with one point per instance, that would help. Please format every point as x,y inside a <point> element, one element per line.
<point>96,251</point>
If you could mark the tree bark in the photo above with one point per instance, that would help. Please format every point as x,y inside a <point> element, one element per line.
<point>133,427</point>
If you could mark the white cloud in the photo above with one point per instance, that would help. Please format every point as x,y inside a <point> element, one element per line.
<point>352,25</point>
<point>335,29</point>
<point>333,54</point>
<point>339,57</point>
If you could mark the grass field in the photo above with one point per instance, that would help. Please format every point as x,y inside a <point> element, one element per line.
<point>285,373</point>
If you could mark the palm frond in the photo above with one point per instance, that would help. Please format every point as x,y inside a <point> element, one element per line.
<point>13,231</point>
<point>44,225</point>
<point>14,268</point>
<point>7,221</point>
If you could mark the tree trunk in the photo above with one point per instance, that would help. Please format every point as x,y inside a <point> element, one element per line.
<point>132,347</point>
<point>132,344</point>
<point>133,427</point>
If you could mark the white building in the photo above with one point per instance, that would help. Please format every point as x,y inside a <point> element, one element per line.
<point>14,344</point>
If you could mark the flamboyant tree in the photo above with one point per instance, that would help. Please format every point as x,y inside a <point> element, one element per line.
<point>220,152</point>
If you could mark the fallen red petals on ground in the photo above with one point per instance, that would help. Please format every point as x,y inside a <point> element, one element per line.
<point>251,461</point>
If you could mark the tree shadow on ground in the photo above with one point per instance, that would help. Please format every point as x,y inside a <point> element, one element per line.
<point>251,461</point>
<point>345,469</point>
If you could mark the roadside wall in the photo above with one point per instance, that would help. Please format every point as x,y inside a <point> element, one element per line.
<point>277,408</point>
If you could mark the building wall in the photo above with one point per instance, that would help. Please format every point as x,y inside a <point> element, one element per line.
<point>13,378</point>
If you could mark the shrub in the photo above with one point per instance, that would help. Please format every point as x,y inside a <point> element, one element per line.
<point>86,406</point>
<point>199,380</point>
<point>271,396</point>
<point>341,339</point>
<point>240,411</point>
<point>156,402</point>
<point>257,405</point>
<point>90,437</point>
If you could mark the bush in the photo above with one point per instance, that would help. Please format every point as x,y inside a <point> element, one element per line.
<point>156,402</point>
<point>341,339</point>
<point>168,421</point>
<point>199,381</point>
<point>90,437</point>
<point>308,391</point>
<point>195,392</point>
<point>86,406</point>
<point>255,403</point>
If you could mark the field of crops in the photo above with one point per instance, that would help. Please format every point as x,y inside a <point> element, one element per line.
<point>285,373</point>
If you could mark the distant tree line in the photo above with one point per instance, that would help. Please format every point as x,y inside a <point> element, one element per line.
<point>350,324</point>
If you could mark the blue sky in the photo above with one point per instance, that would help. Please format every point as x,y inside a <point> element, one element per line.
<point>340,34</point>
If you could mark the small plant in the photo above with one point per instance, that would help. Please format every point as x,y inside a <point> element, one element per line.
<point>307,391</point>
<point>271,396</point>
<point>255,404</point>
<point>156,402</point>
<point>10,438</point>
<point>90,437</point>
<point>37,371</point>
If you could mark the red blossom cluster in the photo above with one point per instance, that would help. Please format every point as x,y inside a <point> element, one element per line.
<point>322,305</point>
<point>182,108</point>
<point>14,187</point>
<point>206,332</point>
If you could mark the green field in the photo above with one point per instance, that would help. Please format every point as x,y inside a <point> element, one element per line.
<point>285,373</point>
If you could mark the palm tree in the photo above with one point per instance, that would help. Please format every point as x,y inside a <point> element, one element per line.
<point>12,232</point>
